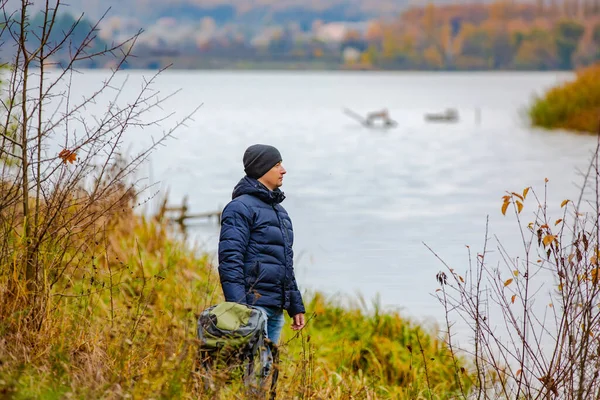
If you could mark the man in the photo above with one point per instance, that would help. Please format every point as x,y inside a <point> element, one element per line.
<point>255,244</point>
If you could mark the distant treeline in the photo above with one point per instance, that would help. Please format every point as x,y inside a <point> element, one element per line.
<point>501,35</point>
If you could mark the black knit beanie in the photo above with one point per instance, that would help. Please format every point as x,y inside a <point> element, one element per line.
<point>259,159</point>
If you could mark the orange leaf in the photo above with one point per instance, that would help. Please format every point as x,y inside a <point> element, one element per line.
<point>67,155</point>
<point>504,207</point>
<point>546,180</point>
<point>519,372</point>
<point>512,299</point>
<point>519,206</point>
<point>558,221</point>
<point>548,239</point>
<point>461,279</point>
<point>550,305</point>
<point>595,276</point>
<point>525,192</point>
<point>564,203</point>
<point>508,282</point>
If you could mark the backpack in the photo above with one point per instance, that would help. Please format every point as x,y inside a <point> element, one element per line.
<point>234,335</point>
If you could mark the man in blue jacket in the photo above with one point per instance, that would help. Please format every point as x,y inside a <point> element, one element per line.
<point>255,244</point>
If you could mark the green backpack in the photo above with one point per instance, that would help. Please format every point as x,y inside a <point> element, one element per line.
<point>233,334</point>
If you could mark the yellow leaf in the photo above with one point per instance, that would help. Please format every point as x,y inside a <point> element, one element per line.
<point>519,206</point>
<point>564,203</point>
<point>558,221</point>
<point>525,192</point>
<point>517,195</point>
<point>515,273</point>
<point>560,287</point>
<point>530,225</point>
<point>504,207</point>
<point>512,299</point>
<point>594,260</point>
<point>508,282</point>
<point>548,239</point>
<point>506,198</point>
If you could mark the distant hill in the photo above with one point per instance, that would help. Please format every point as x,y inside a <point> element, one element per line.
<point>239,11</point>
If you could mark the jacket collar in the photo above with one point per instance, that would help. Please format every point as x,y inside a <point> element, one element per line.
<point>253,187</point>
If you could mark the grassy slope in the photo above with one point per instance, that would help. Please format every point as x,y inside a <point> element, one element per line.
<point>124,327</point>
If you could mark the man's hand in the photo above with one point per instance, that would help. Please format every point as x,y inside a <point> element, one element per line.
<point>298,322</point>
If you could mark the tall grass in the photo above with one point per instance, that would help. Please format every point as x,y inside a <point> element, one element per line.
<point>574,105</point>
<point>124,326</point>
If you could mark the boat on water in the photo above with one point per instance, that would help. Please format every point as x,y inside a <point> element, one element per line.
<point>376,119</point>
<point>450,115</point>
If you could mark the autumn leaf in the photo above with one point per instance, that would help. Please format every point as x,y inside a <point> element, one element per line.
<point>515,273</point>
<point>512,299</point>
<point>504,207</point>
<point>594,274</point>
<point>461,279</point>
<point>519,206</point>
<point>558,221</point>
<point>517,195</point>
<point>548,239</point>
<point>564,203</point>
<point>508,282</point>
<point>545,180</point>
<point>525,192</point>
<point>67,155</point>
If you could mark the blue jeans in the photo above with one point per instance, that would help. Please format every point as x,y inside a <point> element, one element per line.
<point>275,322</point>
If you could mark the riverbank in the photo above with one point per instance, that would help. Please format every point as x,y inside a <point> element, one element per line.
<point>123,326</point>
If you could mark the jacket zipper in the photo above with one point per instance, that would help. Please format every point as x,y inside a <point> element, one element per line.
<point>285,268</point>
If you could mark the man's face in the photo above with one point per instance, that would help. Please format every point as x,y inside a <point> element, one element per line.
<point>274,177</point>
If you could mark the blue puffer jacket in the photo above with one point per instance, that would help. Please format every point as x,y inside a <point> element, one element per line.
<point>255,249</point>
